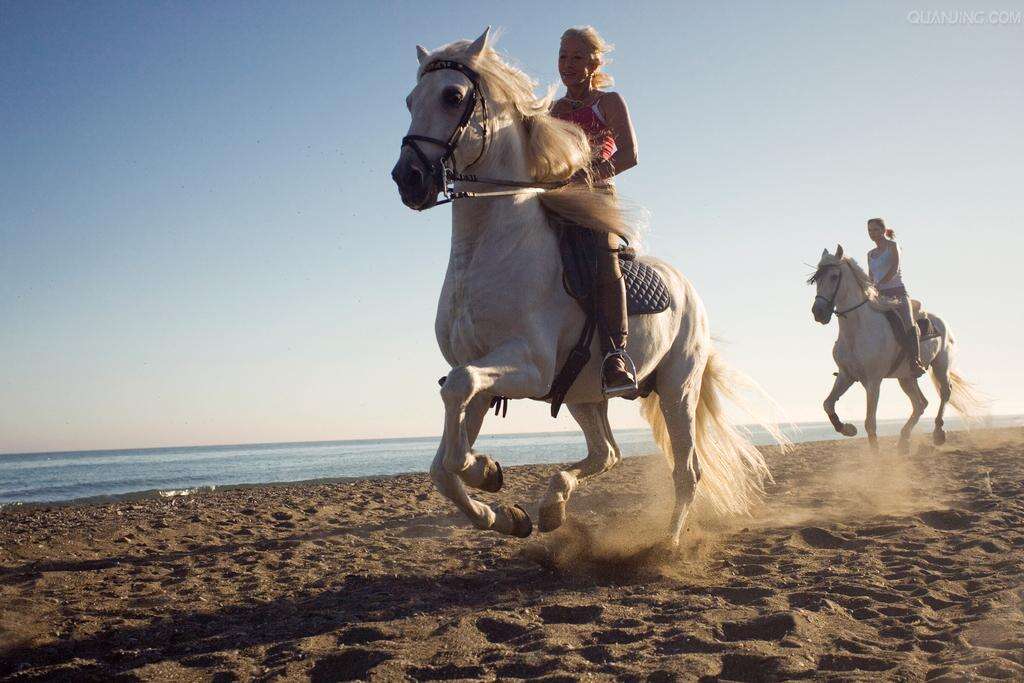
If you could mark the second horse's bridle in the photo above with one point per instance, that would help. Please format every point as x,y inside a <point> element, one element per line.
<point>443,171</point>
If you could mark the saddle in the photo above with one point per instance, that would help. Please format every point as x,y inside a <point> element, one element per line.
<point>646,294</point>
<point>925,328</point>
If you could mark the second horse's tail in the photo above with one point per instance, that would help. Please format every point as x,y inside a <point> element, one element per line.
<point>963,395</point>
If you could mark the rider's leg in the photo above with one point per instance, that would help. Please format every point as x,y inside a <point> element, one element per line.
<point>612,318</point>
<point>913,336</point>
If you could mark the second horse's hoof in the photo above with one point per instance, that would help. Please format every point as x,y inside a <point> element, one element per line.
<point>522,525</point>
<point>938,437</point>
<point>849,430</point>
<point>493,478</point>
<point>551,517</point>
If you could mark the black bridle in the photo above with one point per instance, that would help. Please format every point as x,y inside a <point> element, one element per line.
<point>443,171</point>
<point>831,301</point>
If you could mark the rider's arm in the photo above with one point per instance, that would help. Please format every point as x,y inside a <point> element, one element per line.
<point>895,250</point>
<point>616,116</point>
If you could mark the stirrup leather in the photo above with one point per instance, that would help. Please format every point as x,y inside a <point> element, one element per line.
<point>619,390</point>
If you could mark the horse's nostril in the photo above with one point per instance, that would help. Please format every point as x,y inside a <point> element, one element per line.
<point>413,177</point>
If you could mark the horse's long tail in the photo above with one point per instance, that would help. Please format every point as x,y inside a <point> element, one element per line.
<point>963,395</point>
<point>733,469</point>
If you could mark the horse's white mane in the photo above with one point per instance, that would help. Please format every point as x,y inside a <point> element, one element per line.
<point>860,277</point>
<point>863,281</point>
<point>554,149</point>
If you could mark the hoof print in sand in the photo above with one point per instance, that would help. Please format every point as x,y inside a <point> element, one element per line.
<point>822,539</point>
<point>525,669</point>
<point>743,595</point>
<point>617,636</point>
<point>350,665</point>
<point>362,634</point>
<point>564,614</point>
<point>853,663</point>
<point>447,672</point>
<point>947,520</point>
<point>743,667</point>
<point>769,627</point>
<point>499,630</point>
<point>687,644</point>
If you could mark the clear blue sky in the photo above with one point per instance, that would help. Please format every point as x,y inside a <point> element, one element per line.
<point>200,243</point>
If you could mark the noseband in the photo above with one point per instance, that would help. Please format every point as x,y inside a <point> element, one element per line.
<point>443,171</point>
<point>831,300</point>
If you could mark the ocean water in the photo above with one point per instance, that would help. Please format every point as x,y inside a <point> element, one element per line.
<point>102,475</point>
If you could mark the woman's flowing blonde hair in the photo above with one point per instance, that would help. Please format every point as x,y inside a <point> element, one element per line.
<point>599,47</point>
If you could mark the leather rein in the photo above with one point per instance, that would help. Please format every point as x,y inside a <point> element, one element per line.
<point>831,300</point>
<point>443,170</point>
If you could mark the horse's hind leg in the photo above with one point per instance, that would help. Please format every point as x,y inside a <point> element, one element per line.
<point>919,403</point>
<point>680,420</point>
<point>602,455</point>
<point>940,371</point>
<point>839,387</point>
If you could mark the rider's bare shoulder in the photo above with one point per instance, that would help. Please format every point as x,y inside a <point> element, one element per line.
<point>613,100</point>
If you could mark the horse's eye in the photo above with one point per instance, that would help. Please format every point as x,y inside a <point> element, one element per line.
<point>452,97</point>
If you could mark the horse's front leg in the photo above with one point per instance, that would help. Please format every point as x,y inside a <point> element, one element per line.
<point>483,472</point>
<point>508,371</point>
<point>872,389</point>
<point>842,383</point>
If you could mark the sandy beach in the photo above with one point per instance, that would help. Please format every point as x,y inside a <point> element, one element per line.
<point>856,567</point>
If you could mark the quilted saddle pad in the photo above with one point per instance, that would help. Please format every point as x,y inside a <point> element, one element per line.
<point>646,292</point>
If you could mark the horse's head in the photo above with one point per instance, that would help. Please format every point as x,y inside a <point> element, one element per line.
<point>827,279</point>
<point>445,105</point>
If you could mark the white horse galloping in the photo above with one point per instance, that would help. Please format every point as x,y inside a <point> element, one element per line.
<point>505,323</point>
<point>867,351</point>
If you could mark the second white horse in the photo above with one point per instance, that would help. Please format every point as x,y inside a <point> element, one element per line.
<point>867,351</point>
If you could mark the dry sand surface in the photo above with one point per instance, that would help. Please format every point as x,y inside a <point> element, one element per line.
<point>857,567</point>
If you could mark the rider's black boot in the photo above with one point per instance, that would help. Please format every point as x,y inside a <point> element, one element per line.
<point>917,368</point>
<point>618,372</point>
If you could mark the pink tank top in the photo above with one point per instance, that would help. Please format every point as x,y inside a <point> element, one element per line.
<point>602,139</point>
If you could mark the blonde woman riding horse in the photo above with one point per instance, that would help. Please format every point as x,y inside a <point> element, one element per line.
<point>604,118</point>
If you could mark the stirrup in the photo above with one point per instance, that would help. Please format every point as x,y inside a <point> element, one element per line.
<point>621,389</point>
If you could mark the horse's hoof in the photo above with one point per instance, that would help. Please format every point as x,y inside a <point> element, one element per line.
<point>522,525</point>
<point>849,430</point>
<point>551,517</point>
<point>493,478</point>
<point>666,550</point>
<point>938,437</point>
<point>903,447</point>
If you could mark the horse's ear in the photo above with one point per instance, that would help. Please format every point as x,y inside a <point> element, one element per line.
<point>421,54</point>
<point>479,44</point>
<point>825,254</point>
<point>839,251</point>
